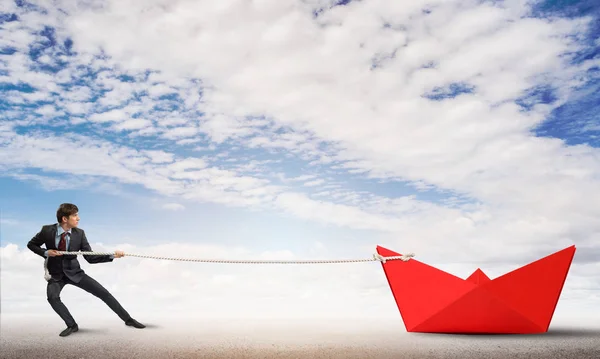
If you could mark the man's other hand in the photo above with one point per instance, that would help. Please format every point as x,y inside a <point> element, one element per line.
<point>119,254</point>
<point>53,253</point>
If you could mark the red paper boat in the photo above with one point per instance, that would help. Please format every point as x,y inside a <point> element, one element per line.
<point>519,302</point>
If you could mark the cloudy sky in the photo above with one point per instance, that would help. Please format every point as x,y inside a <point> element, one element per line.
<point>464,131</point>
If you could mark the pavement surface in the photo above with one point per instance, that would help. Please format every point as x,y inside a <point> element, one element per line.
<point>233,339</point>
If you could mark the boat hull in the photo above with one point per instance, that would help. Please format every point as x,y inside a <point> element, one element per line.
<point>522,301</point>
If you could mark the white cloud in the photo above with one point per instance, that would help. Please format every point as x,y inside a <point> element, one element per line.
<point>109,116</point>
<point>173,206</point>
<point>159,156</point>
<point>314,183</point>
<point>133,124</point>
<point>327,212</point>
<point>179,132</point>
<point>9,221</point>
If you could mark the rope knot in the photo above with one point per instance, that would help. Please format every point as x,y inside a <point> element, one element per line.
<point>382,259</point>
<point>379,257</point>
<point>407,256</point>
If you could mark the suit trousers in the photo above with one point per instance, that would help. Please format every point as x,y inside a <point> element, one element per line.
<point>90,285</point>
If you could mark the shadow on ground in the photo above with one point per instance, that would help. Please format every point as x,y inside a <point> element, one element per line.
<point>92,330</point>
<point>107,330</point>
<point>571,332</point>
<point>564,333</point>
<point>152,326</point>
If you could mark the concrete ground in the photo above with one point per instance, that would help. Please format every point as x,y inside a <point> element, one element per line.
<point>232,339</point>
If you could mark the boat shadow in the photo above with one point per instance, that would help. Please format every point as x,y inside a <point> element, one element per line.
<point>564,333</point>
<point>571,332</point>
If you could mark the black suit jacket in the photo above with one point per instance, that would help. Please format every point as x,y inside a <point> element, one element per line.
<point>66,264</point>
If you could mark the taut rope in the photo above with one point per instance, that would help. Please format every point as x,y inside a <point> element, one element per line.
<point>376,257</point>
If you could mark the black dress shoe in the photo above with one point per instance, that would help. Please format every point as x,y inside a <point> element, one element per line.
<point>69,330</point>
<point>134,323</point>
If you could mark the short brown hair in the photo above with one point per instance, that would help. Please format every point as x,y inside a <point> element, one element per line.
<point>66,210</point>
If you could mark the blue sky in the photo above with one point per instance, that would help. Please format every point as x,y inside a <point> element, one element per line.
<point>576,121</point>
<point>456,130</point>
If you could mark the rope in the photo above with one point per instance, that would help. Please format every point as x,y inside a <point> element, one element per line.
<point>376,257</point>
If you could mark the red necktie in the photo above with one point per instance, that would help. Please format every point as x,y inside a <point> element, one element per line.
<point>62,245</point>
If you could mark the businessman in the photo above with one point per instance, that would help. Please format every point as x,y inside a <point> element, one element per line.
<point>65,269</point>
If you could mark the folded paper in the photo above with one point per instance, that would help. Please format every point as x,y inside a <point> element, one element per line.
<point>522,301</point>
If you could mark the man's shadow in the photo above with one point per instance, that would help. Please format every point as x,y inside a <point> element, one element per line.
<point>152,326</point>
<point>107,330</point>
<point>92,331</point>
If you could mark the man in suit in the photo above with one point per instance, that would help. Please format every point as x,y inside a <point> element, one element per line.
<point>64,269</point>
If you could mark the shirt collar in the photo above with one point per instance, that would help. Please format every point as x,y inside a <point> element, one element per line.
<point>60,230</point>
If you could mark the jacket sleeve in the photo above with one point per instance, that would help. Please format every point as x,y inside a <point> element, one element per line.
<point>85,247</point>
<point>36,242</point>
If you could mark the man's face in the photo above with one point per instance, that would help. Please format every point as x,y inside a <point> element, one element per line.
<point>73,220</point>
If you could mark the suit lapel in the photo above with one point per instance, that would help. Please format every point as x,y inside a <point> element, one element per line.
<point>74,237</point>
<point>51,242</point>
